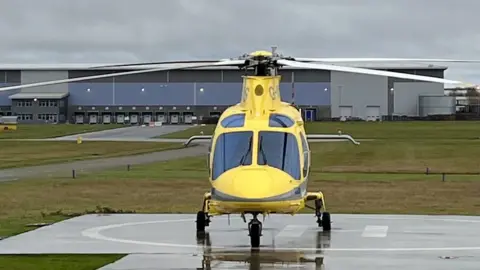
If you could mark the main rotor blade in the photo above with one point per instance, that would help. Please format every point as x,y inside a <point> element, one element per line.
<point>336,60</point>
<point>223,63</point>
<point>158,63</point>
<point>367,71</point>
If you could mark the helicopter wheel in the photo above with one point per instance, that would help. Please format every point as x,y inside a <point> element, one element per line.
<point>255,232</point>
<point>323,219</point>
<point>326,222</point>
<point>202,221</point>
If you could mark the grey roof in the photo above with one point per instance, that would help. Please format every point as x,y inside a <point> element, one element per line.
<point>85,66</point>
<point>38,95</point>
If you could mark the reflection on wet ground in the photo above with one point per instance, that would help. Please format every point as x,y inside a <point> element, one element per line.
<point>264,257</point>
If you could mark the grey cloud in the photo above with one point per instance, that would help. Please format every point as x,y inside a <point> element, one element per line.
<point>56,31</point>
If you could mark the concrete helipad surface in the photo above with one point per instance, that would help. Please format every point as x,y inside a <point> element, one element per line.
<point>355,242</point>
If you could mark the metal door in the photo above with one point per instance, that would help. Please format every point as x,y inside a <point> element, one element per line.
<point>187,118</point>
<point>133,118</point>
<point>79,119</point>
<point>120,119</point>
<point>107,118</point>
<point>174,118</point>
<point>161,118</point>
<point>346,112</point>
<point>309,115</point>
<point>147,118</point>
<point>93,119</point>
<point>373,113</point>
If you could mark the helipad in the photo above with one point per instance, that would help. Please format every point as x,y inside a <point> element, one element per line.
<point>355,242</point>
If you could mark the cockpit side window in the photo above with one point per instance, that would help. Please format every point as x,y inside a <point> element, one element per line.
<point>231,150</point>
<point>232,121</point>
<point>280,120</point>
<point>279,150</point>
<point>306,152</point>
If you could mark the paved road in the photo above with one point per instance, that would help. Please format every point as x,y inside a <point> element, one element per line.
<point>65,169</point>
<point>135,132</point>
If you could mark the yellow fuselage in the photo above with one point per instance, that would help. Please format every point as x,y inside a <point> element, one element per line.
<point>276,186</point>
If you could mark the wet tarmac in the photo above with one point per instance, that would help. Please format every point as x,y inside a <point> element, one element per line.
<point>288,242</point>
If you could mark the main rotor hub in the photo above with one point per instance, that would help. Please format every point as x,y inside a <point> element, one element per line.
<point>264,62</point>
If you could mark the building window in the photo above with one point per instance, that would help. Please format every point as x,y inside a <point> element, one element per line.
<point>24,103</point>
<point>47,117</point>
<point>25,116</point>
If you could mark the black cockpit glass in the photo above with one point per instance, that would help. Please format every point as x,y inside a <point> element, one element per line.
<point>279,150</point>
<point>232,149</point>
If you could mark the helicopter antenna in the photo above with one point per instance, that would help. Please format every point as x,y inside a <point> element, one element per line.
<point>293,88</point>
<point>274,50</point>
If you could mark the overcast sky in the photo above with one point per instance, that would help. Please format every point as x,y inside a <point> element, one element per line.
<point>68,31</point>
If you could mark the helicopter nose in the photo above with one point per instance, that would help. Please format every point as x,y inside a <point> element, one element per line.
<point>256,183</point>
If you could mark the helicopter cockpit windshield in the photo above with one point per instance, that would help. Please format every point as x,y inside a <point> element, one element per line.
<point>232,149</point>
<point>275,149</point>
<point>279,150</point>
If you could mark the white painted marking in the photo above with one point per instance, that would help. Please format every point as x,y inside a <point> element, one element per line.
<point>95,233</point>
<point>375,231</point>
<point>292,231</point>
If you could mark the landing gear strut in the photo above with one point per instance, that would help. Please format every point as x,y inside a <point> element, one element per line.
<point>255,231</point>
<point>323,219</point>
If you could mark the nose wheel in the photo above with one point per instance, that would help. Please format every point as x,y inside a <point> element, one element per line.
<point>255,231</point>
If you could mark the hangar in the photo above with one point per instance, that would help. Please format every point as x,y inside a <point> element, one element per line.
<point>176,96</point>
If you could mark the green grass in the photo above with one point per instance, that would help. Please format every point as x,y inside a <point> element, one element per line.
<point>398,156</point>
<point>43,131</point>
<point>30,153</point>
<point>53,262</point>
<point>419,131</point>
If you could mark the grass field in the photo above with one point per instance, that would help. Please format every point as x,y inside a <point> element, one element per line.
<point>29,153</point>
<point>43,131</point>
<point>381,176</point>
<point>54,262</point>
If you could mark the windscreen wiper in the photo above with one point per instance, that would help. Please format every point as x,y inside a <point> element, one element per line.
<point>285,136</point>
<point>242,161</point>
<point>260,149</point>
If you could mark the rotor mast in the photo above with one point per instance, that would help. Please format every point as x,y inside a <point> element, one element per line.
<point>261,91</point>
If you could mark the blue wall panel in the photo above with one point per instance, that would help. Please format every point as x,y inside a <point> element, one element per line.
<point>218,93</point>
<point>99,94</point>
<point>307,93</point>
<point>154,93</point>
<point>130,94</point>
<point>4,100</point>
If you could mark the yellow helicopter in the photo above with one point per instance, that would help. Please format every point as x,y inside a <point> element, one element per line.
<point>259,157</point>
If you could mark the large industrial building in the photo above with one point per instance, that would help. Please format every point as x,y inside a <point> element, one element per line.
<point>175,97</point>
